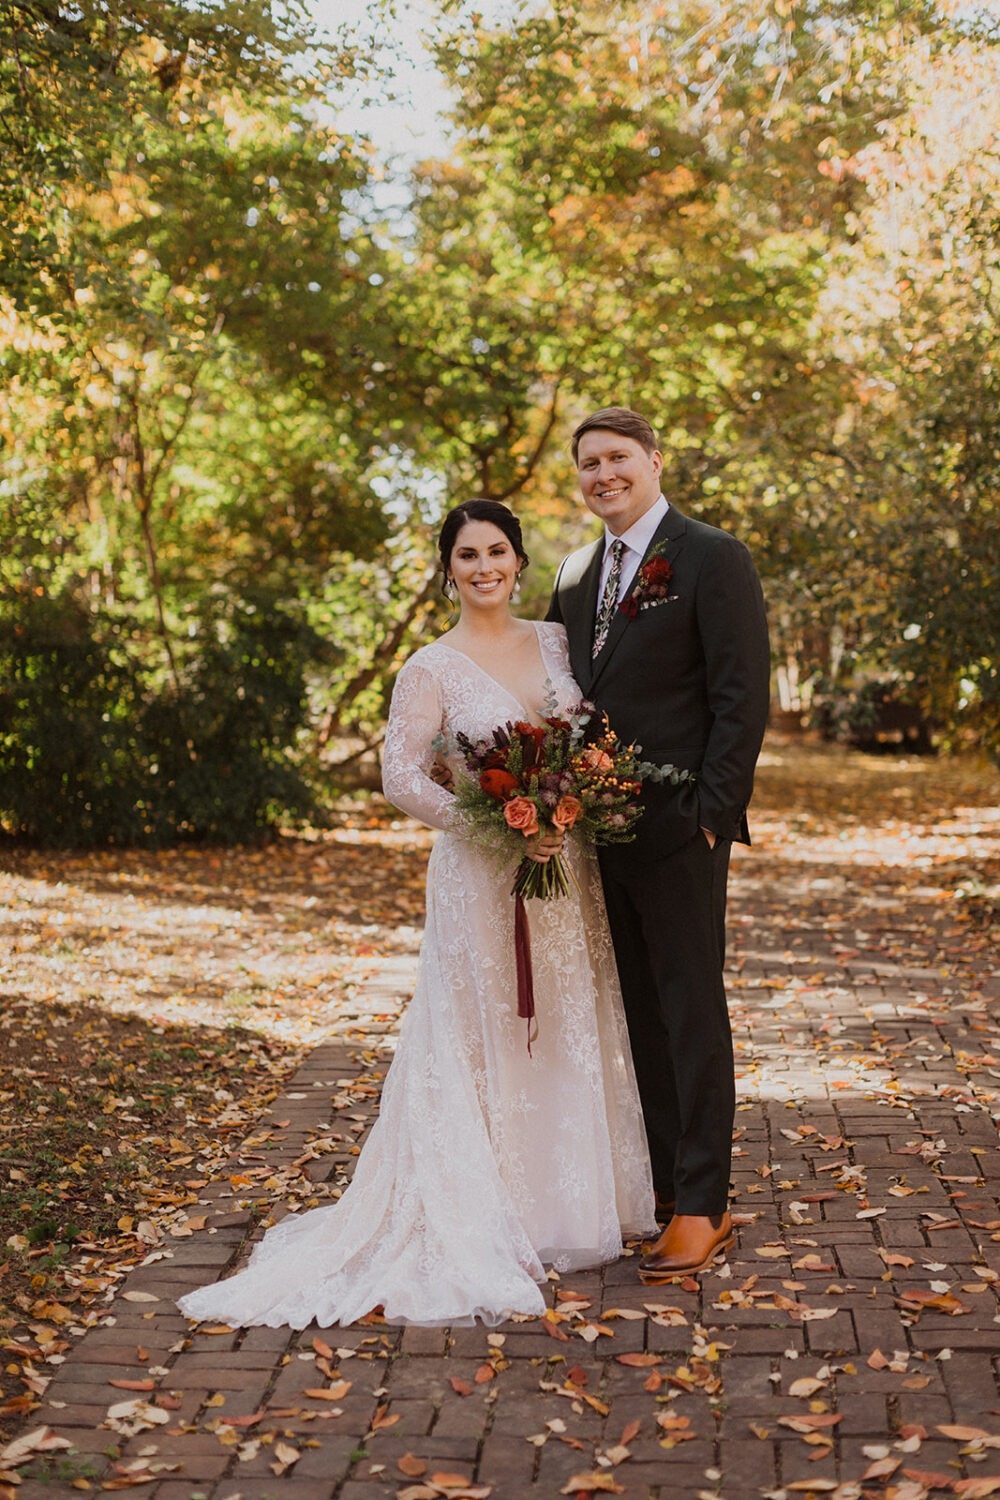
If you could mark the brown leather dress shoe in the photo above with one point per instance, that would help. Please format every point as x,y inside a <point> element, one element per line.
<point>664,1209</point>
<point>689,1244</point>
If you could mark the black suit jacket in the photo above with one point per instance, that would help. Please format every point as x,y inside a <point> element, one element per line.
<point>687,679</point>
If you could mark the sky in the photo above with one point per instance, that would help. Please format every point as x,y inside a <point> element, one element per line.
<point>410,126</point>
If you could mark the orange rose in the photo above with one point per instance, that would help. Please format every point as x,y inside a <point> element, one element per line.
<point>566,812</point>
<point>593,759</point>
<point>522,815</point>
<point>497,783</point>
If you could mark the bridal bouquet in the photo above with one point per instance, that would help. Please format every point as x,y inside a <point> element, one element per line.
<point>528,779</point>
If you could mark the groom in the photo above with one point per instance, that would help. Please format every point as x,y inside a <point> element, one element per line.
<point>668,637</point>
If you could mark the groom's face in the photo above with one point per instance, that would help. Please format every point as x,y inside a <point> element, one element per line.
<point>619,480</point>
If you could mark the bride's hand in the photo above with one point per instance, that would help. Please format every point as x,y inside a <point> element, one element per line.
<point>542,846</point>
<point>441,775</point>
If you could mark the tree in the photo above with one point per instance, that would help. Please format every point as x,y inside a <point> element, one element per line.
<point>181,443</point>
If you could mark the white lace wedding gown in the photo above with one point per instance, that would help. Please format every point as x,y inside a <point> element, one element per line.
<point>485,1163</point>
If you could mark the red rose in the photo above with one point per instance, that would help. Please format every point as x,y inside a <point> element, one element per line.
<point>532,737</point>
<point>657,573</point>
<point>498,783</point>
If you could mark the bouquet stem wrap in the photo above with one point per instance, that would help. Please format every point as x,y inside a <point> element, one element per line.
<point>525,979</point>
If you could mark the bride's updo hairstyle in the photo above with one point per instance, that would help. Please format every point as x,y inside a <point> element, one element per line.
<point>479,510</point>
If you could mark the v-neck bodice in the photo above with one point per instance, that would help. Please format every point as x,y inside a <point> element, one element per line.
<point>441,693</point>
<point>527,710</point>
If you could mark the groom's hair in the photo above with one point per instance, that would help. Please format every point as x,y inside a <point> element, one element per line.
<point>618,419</point>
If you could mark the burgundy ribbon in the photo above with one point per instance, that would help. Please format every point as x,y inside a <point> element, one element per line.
<point>525,982</point>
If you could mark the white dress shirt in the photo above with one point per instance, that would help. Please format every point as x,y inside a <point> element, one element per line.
<point>636,539</point>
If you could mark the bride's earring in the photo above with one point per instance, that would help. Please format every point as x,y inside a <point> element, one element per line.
<point>515,593</point>
<point>450,591</point>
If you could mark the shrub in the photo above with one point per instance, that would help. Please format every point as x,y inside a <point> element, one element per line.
<point>98,747</point>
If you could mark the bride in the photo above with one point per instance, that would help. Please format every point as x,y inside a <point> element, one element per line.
<point>486,1164</point>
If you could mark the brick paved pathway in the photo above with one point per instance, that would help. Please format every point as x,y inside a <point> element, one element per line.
<point>856,1318</point>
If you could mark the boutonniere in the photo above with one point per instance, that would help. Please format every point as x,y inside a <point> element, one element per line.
<point>652,587</point>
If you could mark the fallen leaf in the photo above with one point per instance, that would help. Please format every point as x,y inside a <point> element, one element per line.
<point>335,1392</point>
<point>881,1469</point>
<point>413,1468</point>
<point>969,1435</point>
<point>809,1422</point>
<point>915,1301</point>
<point>284,1457</point>
<point>593,1484</point>
<point>896,1260</point>
<point>250,1420</point>
<point>676,1426</point>
<point>41,1440</point>
<point>806,1385</point>
<point>383,1418</point>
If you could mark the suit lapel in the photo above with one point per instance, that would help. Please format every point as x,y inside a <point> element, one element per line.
<point>669,537</point>
<point>580,624</point>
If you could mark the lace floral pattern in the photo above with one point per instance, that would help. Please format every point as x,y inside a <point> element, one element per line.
<point>485,1164</point>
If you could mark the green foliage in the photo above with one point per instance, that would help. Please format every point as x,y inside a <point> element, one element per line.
<point>80,82</point>
<point>700,212</point>
<point>947,637</point>
<point>233,377</point>
<point>95,747</point>
<point>221,745</point>
<point>68,750</point>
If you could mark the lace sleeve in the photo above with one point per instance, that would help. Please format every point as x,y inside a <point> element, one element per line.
<point>416,716</point>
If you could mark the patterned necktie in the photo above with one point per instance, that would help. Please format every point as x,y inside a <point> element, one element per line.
<point>609,599</point>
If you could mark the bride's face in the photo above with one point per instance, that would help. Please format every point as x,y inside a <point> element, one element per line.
<point>484,566</point>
